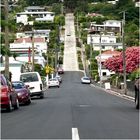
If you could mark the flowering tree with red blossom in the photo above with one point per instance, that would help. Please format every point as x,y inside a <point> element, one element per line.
<point>132,61</point>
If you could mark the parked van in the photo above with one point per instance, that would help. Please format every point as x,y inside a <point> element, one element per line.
<point>33,80</point>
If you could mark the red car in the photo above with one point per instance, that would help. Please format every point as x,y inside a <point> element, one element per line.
<point>60,70</point>
<point>23,92</point>
<point>9,98</point>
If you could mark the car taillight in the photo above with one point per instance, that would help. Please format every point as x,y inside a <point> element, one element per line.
<point>4,91</point>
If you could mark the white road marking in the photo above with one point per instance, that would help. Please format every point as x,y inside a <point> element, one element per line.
<point>75,135</point>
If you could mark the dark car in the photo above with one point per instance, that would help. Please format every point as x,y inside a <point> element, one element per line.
<point>23,92</point>
<point>9,98</point>
<point>137,90</point>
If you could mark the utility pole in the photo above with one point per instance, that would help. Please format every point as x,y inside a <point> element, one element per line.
<point>100,64</point>
<point>62,9</point>
<point>124,60</point>
<point>32,38</point>
<point>6,7</point>
<point>91,41</point>
<point>57,48</point>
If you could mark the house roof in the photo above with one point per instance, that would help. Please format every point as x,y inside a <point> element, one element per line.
<point>94,14</point>
<point>107,54</point>
<point>110,52</point>
<point>29,40</point>
<point>34,7</point>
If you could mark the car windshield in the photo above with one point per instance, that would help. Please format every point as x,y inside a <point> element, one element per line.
<point>86,78</point>
<point>30,77</point>
<point>18,85</point>
<point>54,79</point>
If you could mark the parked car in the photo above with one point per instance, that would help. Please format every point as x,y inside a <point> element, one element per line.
<point>60,70</point>
<point>53,82</point>
<point>137,91</point>
<point>33,80</point>
<point>23,92</point>
<point>59,78</point>
<point>9,98</point>
<point>85,80</point>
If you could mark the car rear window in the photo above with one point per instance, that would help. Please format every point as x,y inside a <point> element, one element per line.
<point>31,77</point>
<point>17,85</point>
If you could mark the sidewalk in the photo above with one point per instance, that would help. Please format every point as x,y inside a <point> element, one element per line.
<point>117,91</point>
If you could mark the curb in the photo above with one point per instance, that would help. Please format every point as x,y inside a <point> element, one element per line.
<point>115,93</point>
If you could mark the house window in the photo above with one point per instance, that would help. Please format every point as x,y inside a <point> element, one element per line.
<point>103,47</point>
<point>111,41</point>
<point>103,40</point>
<point>104,73</point>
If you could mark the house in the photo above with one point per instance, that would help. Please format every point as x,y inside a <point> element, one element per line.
<point>34,13</point>
<point>37,33</point>
<point>108,41</point>
<point>16,68</point>
<point>107,26</point>
<point>105,73</point>
<point>38,59</point>
<point>106,36</point>
<point>22,45</point>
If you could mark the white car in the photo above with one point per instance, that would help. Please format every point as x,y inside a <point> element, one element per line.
<point>53,82</point>
<point>33,80</point>
<point>85,80</point>
<point>59,78</point>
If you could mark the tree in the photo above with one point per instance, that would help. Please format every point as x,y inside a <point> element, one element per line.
<point>132,61</point>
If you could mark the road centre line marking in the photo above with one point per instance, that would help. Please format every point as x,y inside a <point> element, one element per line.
<point>75,135</point>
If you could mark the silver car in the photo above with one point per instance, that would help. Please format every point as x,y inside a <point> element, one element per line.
<point>85,80</point>
<point>53,82</point>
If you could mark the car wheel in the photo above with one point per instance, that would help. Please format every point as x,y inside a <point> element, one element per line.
<point>17,104</point>
<point>28,102</point>
<point>10,108</point>
<point>137,100</point>
<point>42,96</point>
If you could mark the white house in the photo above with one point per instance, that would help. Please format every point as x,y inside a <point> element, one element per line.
<point>22,45</point>
<point>105,73</point>
<point>107,26</point>
<point>15,67</point>
<point>37,33</point>
<point>38,59</point>
<point>108,41</point>
<point>23,17</point>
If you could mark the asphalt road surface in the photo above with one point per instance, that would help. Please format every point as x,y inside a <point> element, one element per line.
<point>73,111</point>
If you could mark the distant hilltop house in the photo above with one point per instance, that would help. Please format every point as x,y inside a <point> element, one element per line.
<point>22,45</point>
<point>105,73</point>
<point>34,13</point>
